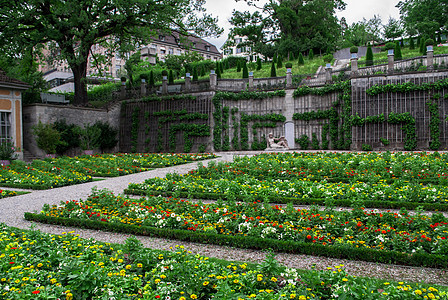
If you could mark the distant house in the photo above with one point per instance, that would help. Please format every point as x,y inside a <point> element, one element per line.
<point>11,110</point>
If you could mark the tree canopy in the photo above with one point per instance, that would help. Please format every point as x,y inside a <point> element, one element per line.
<point>291,25</point>
<point>424,17</point>
<point>72,27</point>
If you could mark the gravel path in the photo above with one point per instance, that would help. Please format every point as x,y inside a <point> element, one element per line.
<point>13,208</point>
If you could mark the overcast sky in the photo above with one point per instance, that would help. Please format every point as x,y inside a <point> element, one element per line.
<point>355,11</point>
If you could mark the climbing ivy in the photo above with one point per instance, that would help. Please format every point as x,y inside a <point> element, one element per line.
<point>434,123</point>
<point>235,140</point>
<point>324,136</point>
<point>306,90</point>
<point>407,87</point>
<point>134,129</point>
<point>225,129</point>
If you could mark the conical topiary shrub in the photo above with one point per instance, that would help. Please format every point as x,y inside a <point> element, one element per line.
<point>245,70</point>
<point>369,56</point>
<point>398,55</point>
<point>301,60</point>
<point>273,71</point>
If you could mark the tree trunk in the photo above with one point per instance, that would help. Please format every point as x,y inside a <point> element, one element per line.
<point>79,75</point>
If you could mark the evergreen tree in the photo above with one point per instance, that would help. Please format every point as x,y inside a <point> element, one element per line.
<point>369,56</point>
<point>311,55</point>
<point>221,67</point>
<point>439,38</point>
<point>238,66</point>
<point>245,70</point>
<point>202,71</point>
<point>398,55</point>
<point>402,43</point>
<point>171,77</point>
<point>279,62</point>
<point>422,47</point>
<point>259,63</point>
<point>151,79</point>
<point>411,43</point>
<point>195,74</point>
<point>301,60</point>
<point>273,71</point>
<point>218,72</point>
<point>274,59</point>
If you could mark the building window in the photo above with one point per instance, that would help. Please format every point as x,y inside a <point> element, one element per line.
<point>207,48</point>
<point>162,51</point>
<point>5,127</point>
<point>170,51</point>
<point>178,52</point>
<point>239,50</point>
<point>161,38</point>
<point>194,45</point>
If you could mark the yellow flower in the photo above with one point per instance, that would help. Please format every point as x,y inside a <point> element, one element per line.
<point>274,279</point>
<point>292,296</point>
<point>193,296</point>
<point>128,267</point>
<point>344,279</point>
<point>182,298</point>
<point>205,283</point>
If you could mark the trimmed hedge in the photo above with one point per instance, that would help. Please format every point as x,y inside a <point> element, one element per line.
<point>245,242</point>
<point>300,201</point>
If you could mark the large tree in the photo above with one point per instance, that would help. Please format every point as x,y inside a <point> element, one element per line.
<point>72,27</point>
<point>424,17</point>
<point>293,25</point>
<point>393,29</point>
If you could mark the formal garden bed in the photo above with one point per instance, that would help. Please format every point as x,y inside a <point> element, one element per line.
<point>376,180</point>
<point>359,234</point>
<point>36,265</point>
<point>62,171</point>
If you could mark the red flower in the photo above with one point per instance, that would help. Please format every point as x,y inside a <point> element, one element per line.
<point>35,292</point>
<point>308,237</point>
<point>157,297</point>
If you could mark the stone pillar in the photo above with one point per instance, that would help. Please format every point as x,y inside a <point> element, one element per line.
<point>164,85</point>
<point>123,90</point>
<point>429,58</point>
<point>328,78</point>
<point>187,82</point>
<point>143,88</point>
<point>288,78</point>
<point>390,61</point>
<point>213,80</point>
<point>251,81</point>
<point>354,65</point>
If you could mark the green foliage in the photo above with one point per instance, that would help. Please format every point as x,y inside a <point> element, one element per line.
<point>195,74</point>
<point>89,136</point>
<point>134,128</point>
<point>411,43</point>
<point>328,58</point>
<point>398,55</point>
<point>151,79</point>
<point>245,70</point>
<point>47,137</point>
<point>8,151</point>
<point>407,87</point>
<point>353,49</point>
<point>369,56</point>
<point>171,77</point>
<point>429,42</point>
<point>324,136</point>
<point>384,141</point>
<point>273,71</point>
<point>314,142</point>
<point>258,63</point>
<point>312,115</point>
<point>366,147</point>
<point>303,141</point>
<point>69,136</point>
<point>389,46</point>
<point>310,54</point>
<point>108,137</point>
<point>238,66</point>
<point>434,123</point>
<point>408,120</point>
<point>301,60</point>
<point>422,47</point>
<point>279,62</point>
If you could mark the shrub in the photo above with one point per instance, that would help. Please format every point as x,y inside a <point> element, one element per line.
<point>366,147</point>
<point>288,65</point>
<point>151,79</point>
<point>301,60</point>
<point>273,71</point>
<point>238,66</point>
<point>314,142</point>
<point>259,67</point>
<point>328,58</point>
<point>164,73</point>
<point>422,47</point>
<point>7,151</point>
<point>245,70</point>
<point>89,136</point>
<point>369,56</point>
<point>195,74</point>
<point>171,78</point>
<point>279,62</point>
<point>311,54</point>
<point>429,42</point>
<point>353,49</point>
<point>411,43</point>
<point>69,137</point>
<point>384,141</point>
<point>47,137</point>
<point>304,142</point>
<point>389,46</point>
<point>108,135</point>
<point>398,55</point>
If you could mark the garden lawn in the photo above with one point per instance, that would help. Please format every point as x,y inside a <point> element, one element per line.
<point>35,265</point>
<point>381,180</point>
<point>357,234</point>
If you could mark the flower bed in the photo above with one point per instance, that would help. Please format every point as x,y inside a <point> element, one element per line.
<point>112,165</point>
<point>299,191</point>
<point>357,234</point>
<point>40,266</point>
<point>7,193</point>
<point>21,175</point>
<point>348,166</point>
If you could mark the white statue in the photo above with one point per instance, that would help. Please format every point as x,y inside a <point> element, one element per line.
<point>280,142</point>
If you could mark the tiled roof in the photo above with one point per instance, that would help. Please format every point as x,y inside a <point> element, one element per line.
<point>11,82</point>
<point>173,38</point>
